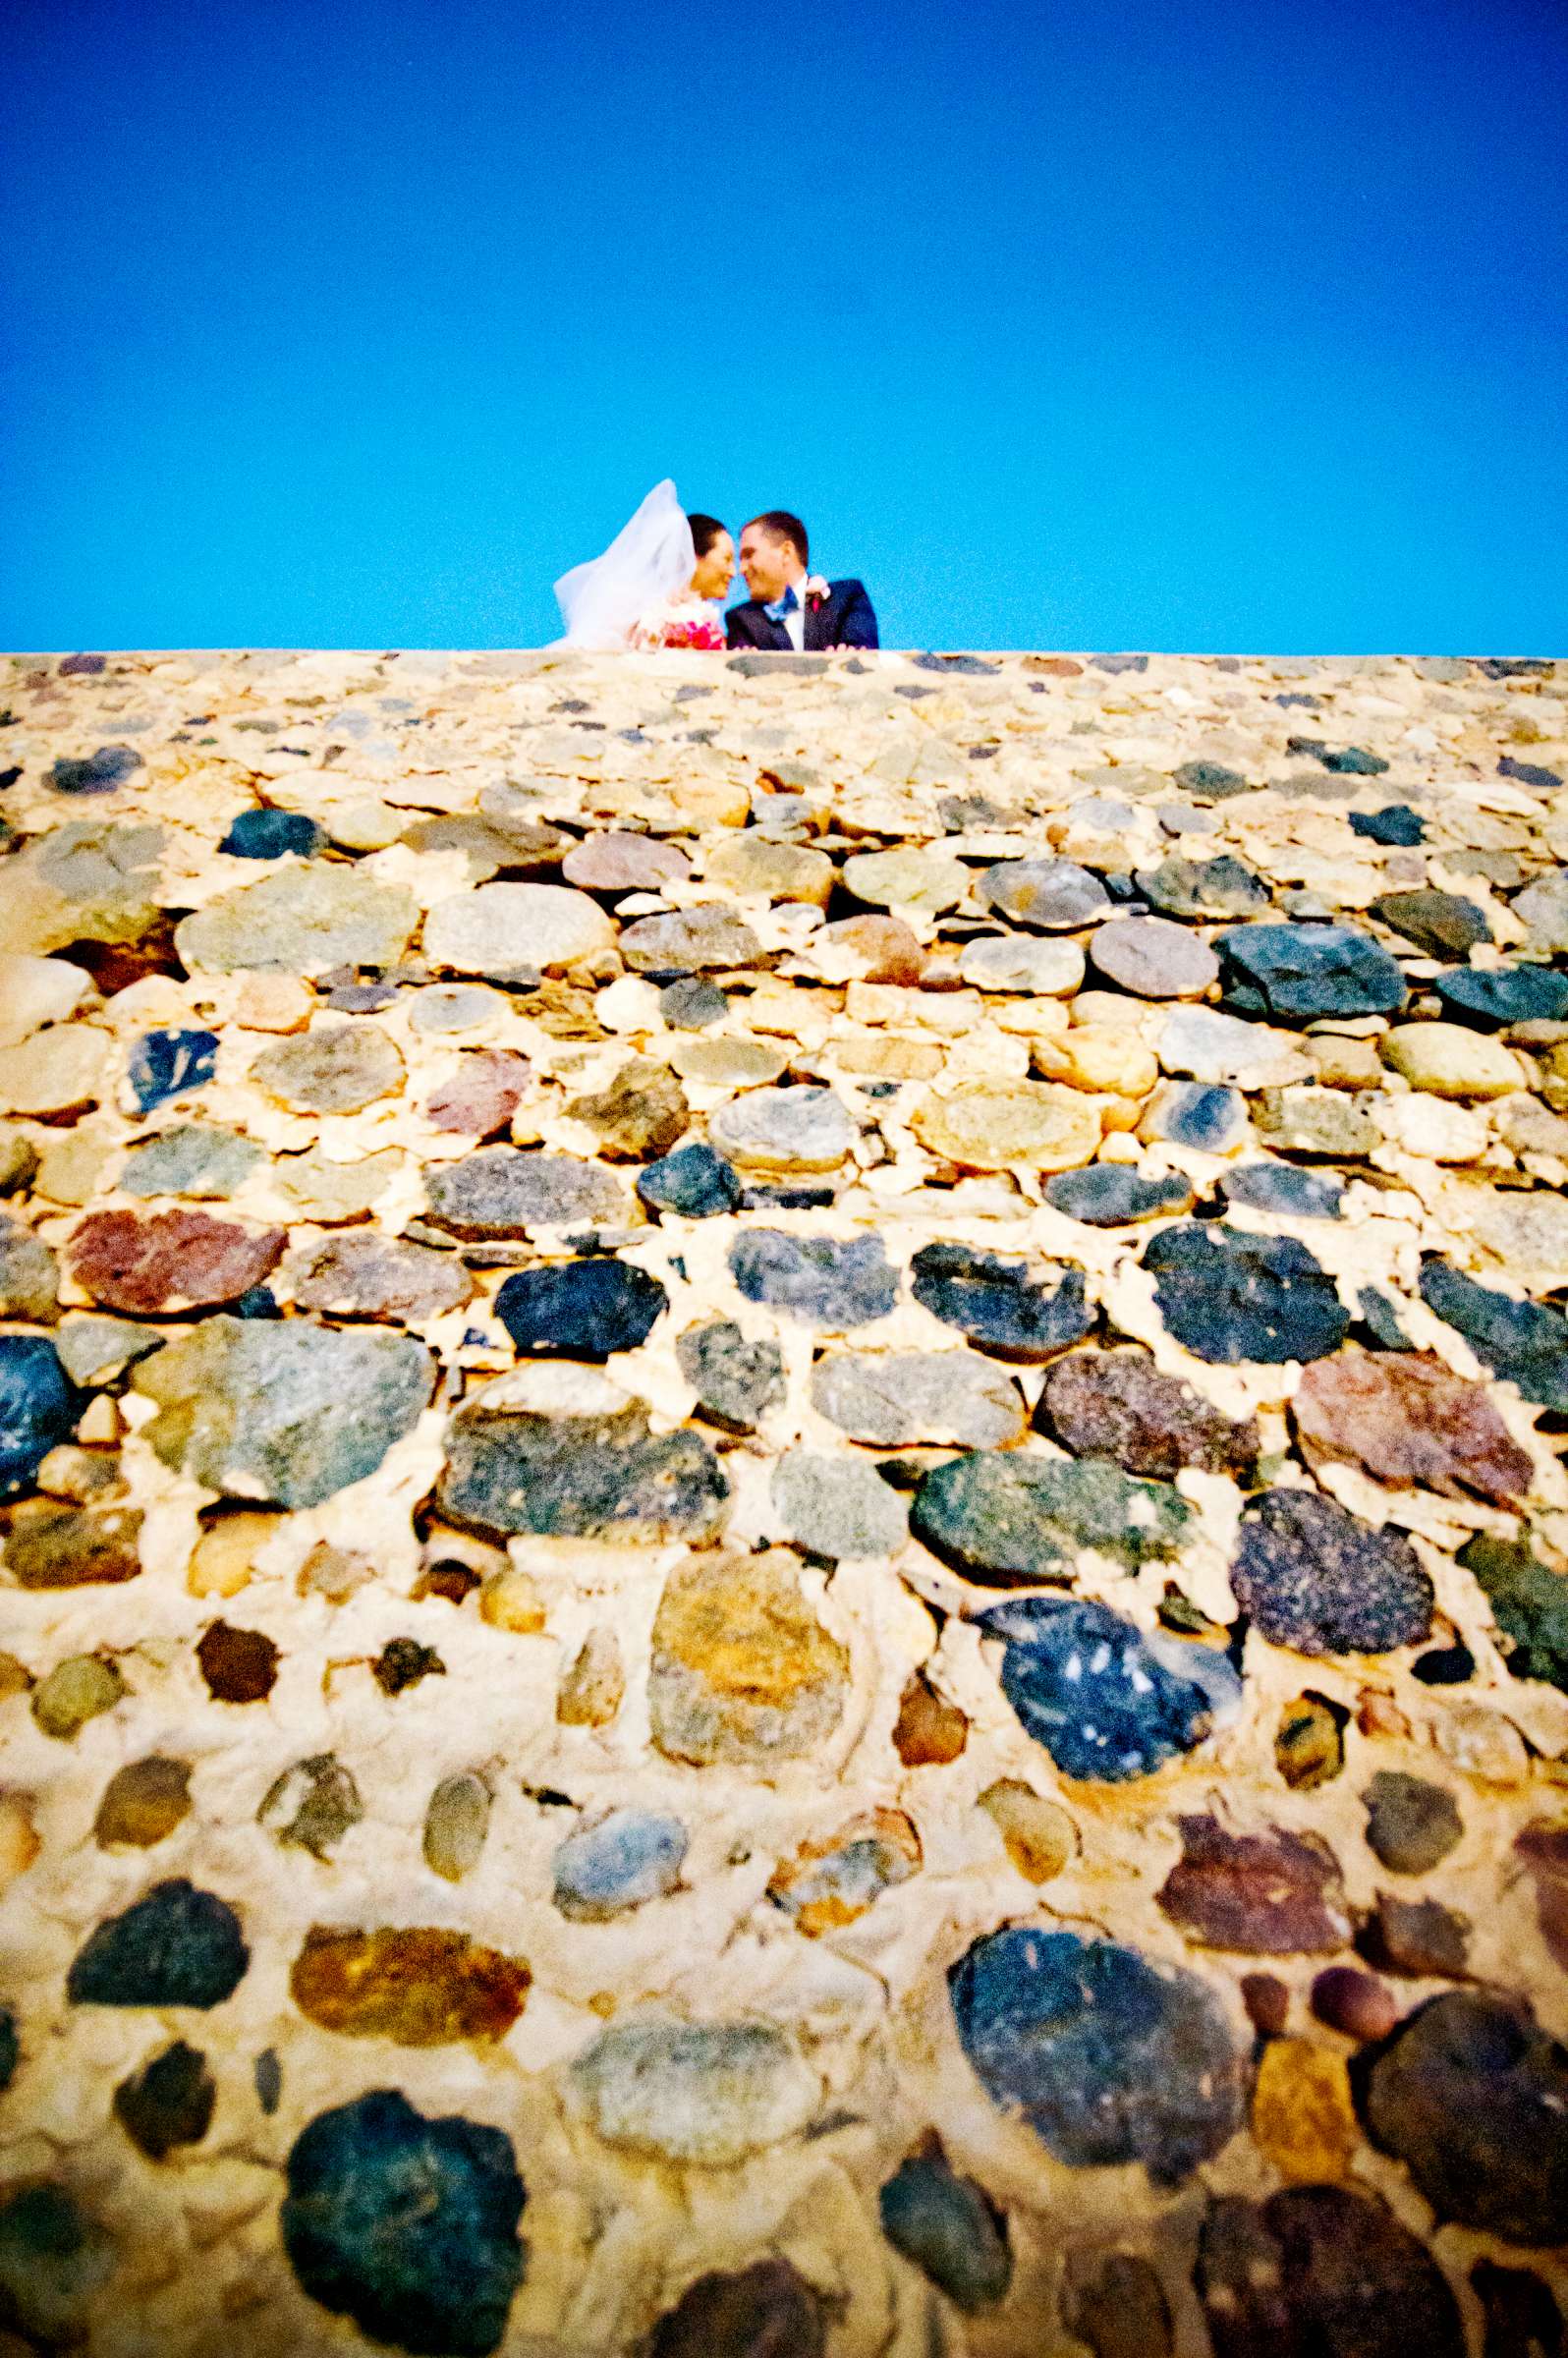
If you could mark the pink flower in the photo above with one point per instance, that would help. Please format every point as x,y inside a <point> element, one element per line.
<point>816,590</point>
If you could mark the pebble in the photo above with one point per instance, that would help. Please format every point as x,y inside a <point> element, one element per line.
<point>368,1274</point>
<point>39,1405</point>
<point>34,992</point>
<point>1395,825</point>
<point>1109,2058</point>
<point>1204,1044</point>
<point>703,2094</point>
<point>456,1824</point>
<point>1016,1310</point>
<point>710,940</point>
<point>313,1805</point>
<point>60,1069</point>
<point>1154,959</point>
<point>915,876</point>
<point>96,773</point>
<point>949,2227</point>
<point>826,1281</point>
<point>412,1985</point>
<point>735,1382</point>
<point>583,1309</point>
<point>1013,962</point>
<point>691,1004</point>
<point>1315,1121</point>
<point>337,1068</point>
<point>903,1399</point>
<point>504,1192</point>
<point>593,1687</point>
<point>694,1183</point>
<point>1052,896</point>
<point>1194,1113</point>
<point>270,835</point>
<point>1452,1061</point>
<point>1108,1701</point>
<point>783,1130</point>
<point>1417,1937</point>
<point>54,2256</point>
<point>1310,1748</point>
<point>76,1691</point>
<point>54,1546</point>
<point>616,863</point>
<point>142,1803</point>
<point>300,921</point>
<point>742,1671</point>
<point>569,1455</point>
<point>837,1507</point>
<point>515,932</point>
<point>178,1946</point>
<point>288,1413</point>
<point>192,1159</point>
<point>484,1093</point>
<point>1111,1195</point>
<point>1194,890</point>
<point>1008,1518</point>
<point>29,1275</point>
<point>1405,1417</point>
<point>831,1883</point>
<point>1492,998</point>
<point>1118,1404</point>
<point>169,2102</point>
<point>1009,1125</point>
<point>1298,973</point>
<point>1280,1188</point>
<point>1303,2114</point>
<point>765,2311</point>
<point>435,2274</point>
<point>641,1113</point>
<point>1228,1295</point>
<point>1330,2267</point>
<point>166,1065</point>
<point>152,1262</point>
<point>1439,925</point>
<point>1472,2095</point>
<point>1529,1603</point>
<point>322,1189</point>
<point>1268,1893</point>
<point>1412,1824</point>
<point>1038,1837</point>
<point>625,1859</point>
<point>1315,1578</point>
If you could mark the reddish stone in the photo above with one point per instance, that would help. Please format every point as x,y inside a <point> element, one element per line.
<point>240,1665</point>
<point>483,1095</point>
<point>1406,1419</point>
<point>1543,1848</point>
<point>1274,1893</point>
<point>1267,2002</point>
<point>1354,2003</point>
<point>1419,1938</point>
<point>144,1261</point>
<point>623,863</point>
<point>930,1730</point>
<point>891,952</point>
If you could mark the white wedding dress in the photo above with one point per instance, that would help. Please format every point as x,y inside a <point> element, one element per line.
<point>639,589</point>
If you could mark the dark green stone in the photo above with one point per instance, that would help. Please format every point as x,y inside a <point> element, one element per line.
<point>1007,1519</point>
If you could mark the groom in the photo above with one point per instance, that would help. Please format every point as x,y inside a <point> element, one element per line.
<point>788,607</point>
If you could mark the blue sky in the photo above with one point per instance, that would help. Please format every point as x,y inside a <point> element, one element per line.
<point>352,322</point>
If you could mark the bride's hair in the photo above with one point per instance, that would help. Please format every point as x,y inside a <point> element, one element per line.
<point>705,529</point>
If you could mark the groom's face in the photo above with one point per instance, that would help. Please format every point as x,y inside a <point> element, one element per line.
<point>768,565</point>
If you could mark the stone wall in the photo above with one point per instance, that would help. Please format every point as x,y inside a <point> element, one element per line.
<point>784,1537</point>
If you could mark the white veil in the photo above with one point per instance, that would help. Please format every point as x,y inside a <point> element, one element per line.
<point>648,560</point>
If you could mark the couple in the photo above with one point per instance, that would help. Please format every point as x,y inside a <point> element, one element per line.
<point>661,583</point>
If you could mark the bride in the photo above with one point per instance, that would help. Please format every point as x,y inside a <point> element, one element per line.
<point>660,583</point>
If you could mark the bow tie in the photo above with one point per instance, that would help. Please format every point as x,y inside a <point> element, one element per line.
<point>789,603</point>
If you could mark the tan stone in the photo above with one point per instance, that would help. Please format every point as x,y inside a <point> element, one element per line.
<point>910,878</point>
<point>20,1843</point>
<point>223,1560</point>
<point>781,871</point>
<point>1304,2117</point>
<point>1024,1125</point>
<point>1453,1061</point>
<point>60,1067</point>
<point>511,1601</point>
<point>1039,1837</point>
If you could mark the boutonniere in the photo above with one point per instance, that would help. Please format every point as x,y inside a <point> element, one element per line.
<point>816,590</point>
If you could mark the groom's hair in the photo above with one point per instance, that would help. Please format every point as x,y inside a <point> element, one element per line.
<point>705,529</point>
<point>785,526</point>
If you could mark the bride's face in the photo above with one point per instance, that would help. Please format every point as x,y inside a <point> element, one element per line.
<point>716,572</point>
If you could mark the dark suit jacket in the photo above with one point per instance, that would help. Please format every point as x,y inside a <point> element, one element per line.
<point>845,618</point>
